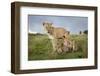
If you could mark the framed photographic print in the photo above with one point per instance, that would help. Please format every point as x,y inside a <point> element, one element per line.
<point>52,37</point>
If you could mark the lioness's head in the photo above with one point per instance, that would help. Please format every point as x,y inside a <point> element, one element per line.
<point>48,26</point>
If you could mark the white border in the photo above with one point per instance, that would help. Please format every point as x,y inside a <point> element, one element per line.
<point>25,64</point>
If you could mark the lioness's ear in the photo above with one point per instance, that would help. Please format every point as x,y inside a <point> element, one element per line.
<point>43,23</point>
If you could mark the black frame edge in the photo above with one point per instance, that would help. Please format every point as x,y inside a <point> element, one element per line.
<point>13,37</point>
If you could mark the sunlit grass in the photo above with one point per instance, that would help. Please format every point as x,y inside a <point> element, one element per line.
<point>40,48</point>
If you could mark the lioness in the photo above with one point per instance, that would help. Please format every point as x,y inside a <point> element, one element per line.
<point>56,34</point>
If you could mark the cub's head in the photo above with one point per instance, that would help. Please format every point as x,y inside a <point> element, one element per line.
<point>48,26</point>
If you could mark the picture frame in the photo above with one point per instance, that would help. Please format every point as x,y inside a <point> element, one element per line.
<point>19,32</point>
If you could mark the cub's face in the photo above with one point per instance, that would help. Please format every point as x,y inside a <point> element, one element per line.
<point>48,27</point>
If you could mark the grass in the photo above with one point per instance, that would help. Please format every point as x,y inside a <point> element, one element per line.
<point>40,48</point>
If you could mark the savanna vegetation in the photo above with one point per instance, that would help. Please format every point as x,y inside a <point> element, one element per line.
<point>40,48</point>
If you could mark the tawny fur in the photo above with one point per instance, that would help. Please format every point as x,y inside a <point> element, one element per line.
<point>59,37</point>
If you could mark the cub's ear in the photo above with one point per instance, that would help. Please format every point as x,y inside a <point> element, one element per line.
<point>63,36</point>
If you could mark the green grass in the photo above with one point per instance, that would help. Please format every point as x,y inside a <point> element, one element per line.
<point>40,48</point>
